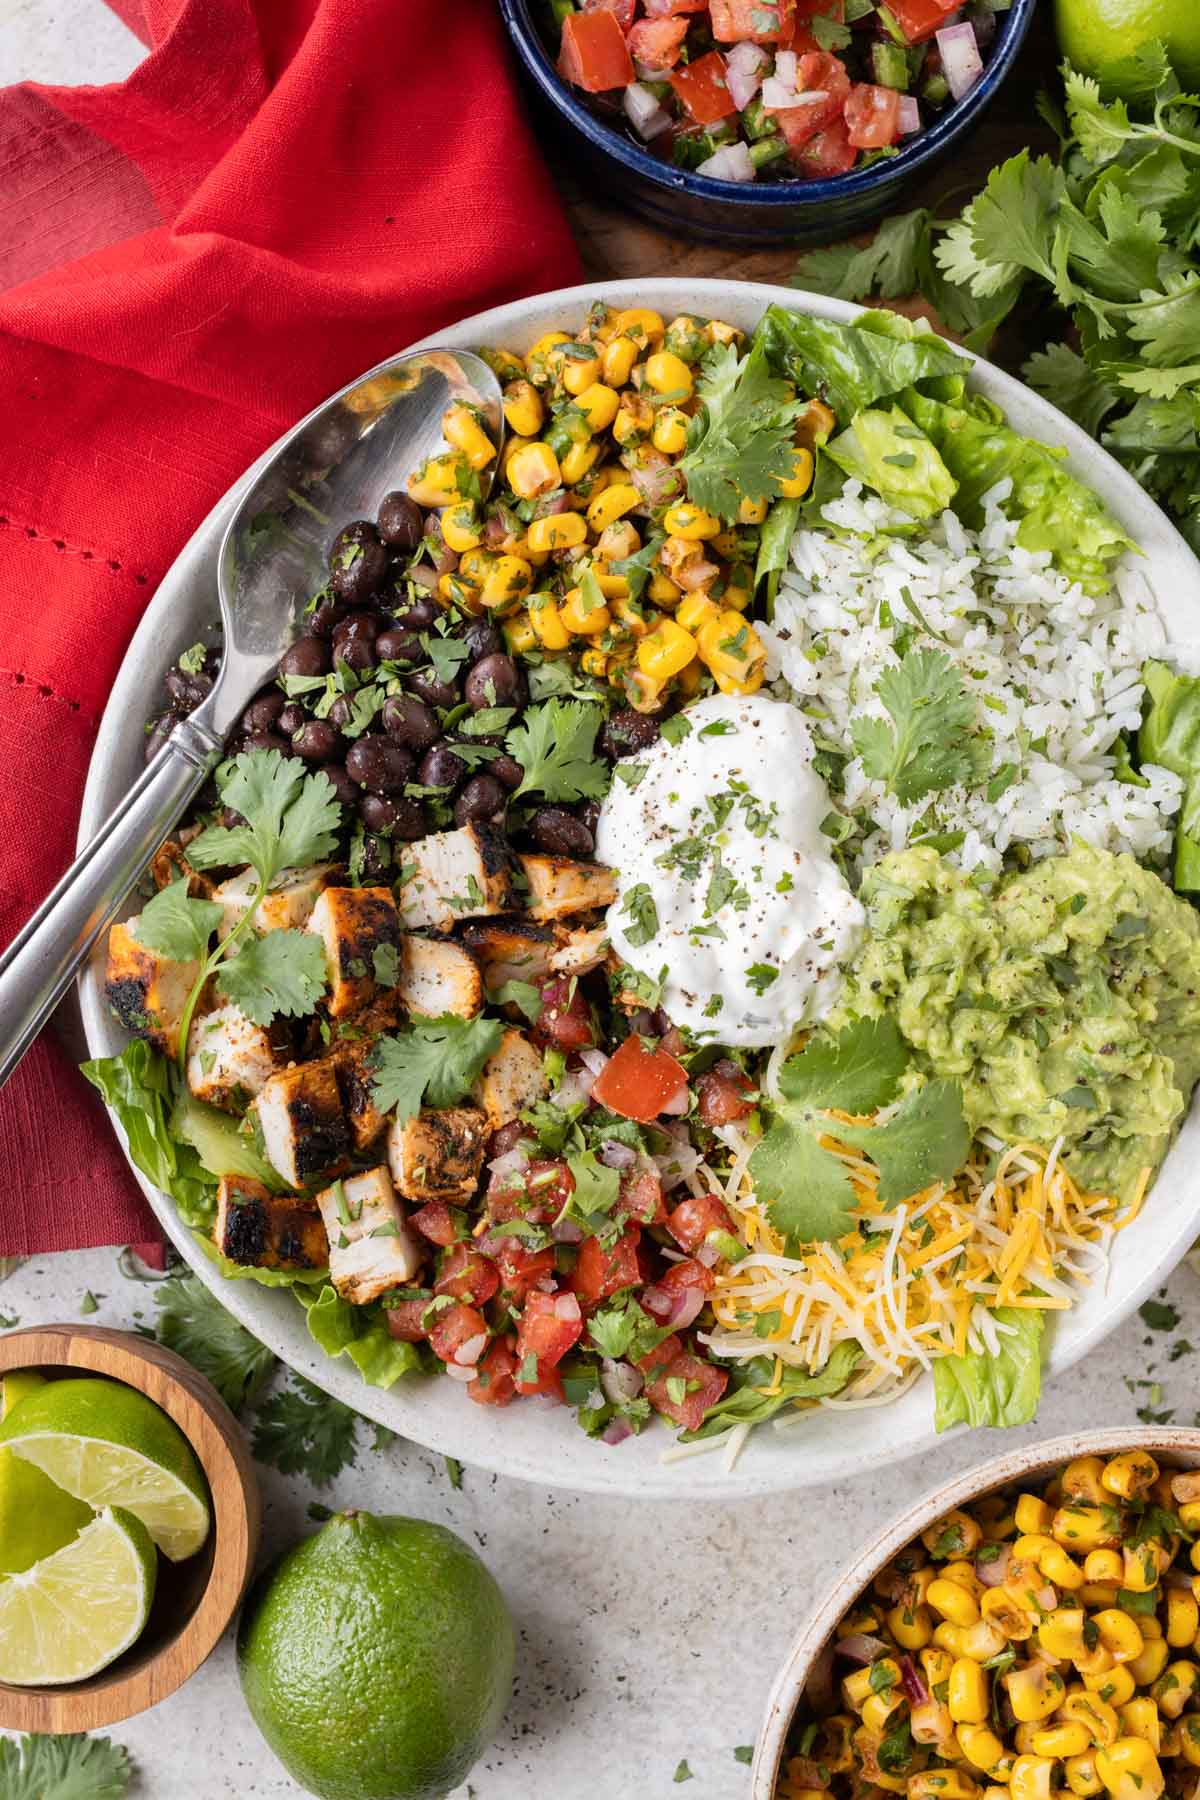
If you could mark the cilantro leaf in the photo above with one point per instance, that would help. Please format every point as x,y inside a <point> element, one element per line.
<point>291,817</point>
<point>1012,223</point>
<point>521,994</point>
<point>854,1072</point>
<point>638,568</point>
<point>47,1767</point>
<point>745,1405</point>
<point>929,747</point>
<point>302,1431</point>
<point>197,1327</point>
<point>740,442</point>
<point>176,926</point>
<point>555,746</point>
<point>622,1328</point>
<point>596,1191</point>
<point>282,972</point>
<point>437,1061</point>
<point>926,1141</point>
<point>886,266</point>
<point>1070,384</point>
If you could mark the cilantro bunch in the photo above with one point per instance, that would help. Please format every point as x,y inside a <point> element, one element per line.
<point>1109,233</point>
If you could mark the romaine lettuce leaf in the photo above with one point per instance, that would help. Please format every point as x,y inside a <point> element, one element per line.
<point>140,1088</point>
<point>272,1278</point>
<point>359,1333</point>
<point>993,1390</point>
<point>855,365</point>
<point>744,1405</point>
<point>1170,736</point>
<point>887,452</point>
<point>223,1148</point>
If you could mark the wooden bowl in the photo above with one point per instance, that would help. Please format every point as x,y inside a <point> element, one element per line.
<point>195,1600</point>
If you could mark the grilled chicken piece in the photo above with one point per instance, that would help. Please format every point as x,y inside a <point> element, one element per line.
<point>170,862</point>
<point>559,887</point>
<point>148,992</point>
<point>303,1126</point>
<point>511,1079</point>
<point>438,1154</point>
<point>360,930</point>
<point>437,977</point>
<point>509,949</point>
<point>230,1059</point>
<point>261,1230</point>
<point>286,907</point>
<point>372,1247</point>
<point>353,1043</point>
<point>456,875</point>
<point>580,951</point>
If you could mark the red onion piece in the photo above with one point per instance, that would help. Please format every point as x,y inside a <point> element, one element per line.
<point>657,1303</point>
<point>565,1231</point>
<point>615,1155</point>
<point>994,1573</point>
<point>643,111</point>
<point>471,1349</point>
<point>708,1254</point>
<point>424,575</point>
<point>619,1380</point>
<point>655,479</point>
<point>743,73</point>
<point>678,1310</point>
<point>818,1689</point>
<point>576,1085</point>
<point>616,1431</point>
<point>696,575</point>
<point>457,1372</point>
<point>860,1648</point>
<point>910,1680</point>
<point>806,1773</point>
<point>962,64</point>
<point>566,1307</point>
<point>908,119</point>
<point>732,162</point>
<point>787,68</point>
<point>513,1162</point>
<point>594,1061</point>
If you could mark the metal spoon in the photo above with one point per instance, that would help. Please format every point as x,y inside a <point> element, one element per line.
<point>336,465</point>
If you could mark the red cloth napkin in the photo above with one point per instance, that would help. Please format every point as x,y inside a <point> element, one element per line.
<point>285,192</point>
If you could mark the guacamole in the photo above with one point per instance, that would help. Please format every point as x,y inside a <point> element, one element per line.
<point>1066,1001</point>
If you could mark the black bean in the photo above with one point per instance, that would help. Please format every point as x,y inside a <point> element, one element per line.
<point>230,819</point>
<point>417,615</point>
<point>439,767</point>
<point>160,730</point>
<point>409,721</point>
<point>187,691</point>
<point>480,798</point>
<point>379,764</point>
<point>627,731</point>
<point>426,686</point>
<point>560,833</point>
<point>357,562</point>
<point>589,812</point>
<point>507,769</point>
<point>397,644</point>
<point>400,524</point>
<point>482,639</point>
<point>346,789</point>
<point>410,820</point>
<point>357,654</point>
<point>495,681</point>
<point>307,656</point>
<point>268,740</point>
<point>326,615</point>
<point>379,812</point>
<point>263,711</point>
<point>356,624</point>
<point>377,859</point>
<point>317,741</point>
<point>290,719</point>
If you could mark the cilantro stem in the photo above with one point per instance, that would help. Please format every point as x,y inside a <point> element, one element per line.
<point>213,961</point>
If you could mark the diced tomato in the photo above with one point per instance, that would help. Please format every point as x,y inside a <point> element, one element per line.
<point>406,1321</point>
<point>872,115</point>
<point>641,1197</point>
<point>452,1327</point>
<point>829,153</point>
<point>538,1193</point>
<point>565,1018</point>
<point>435,1222</point>
<point>687,1274</point>
<point>798,36</point>
<point>549,1325</point>
<point>593,54</point>
<point>494,1384</point>
<point>521,1269</point>
<point>703,90</point>
<point>661,1357</point>
<point>600,1272</point>
<point>640,1082</point>
<point>622,10</point>
<point>549,1382</point>
<point>697,1386</point>
<point>666,9</point>
<point>721,1094</point>
<point>655,42</point>
<point>919,19</point>
<point>693,1221</point>
<point>751,21</point>
<point>816,73</point>
<point>466,1275</point>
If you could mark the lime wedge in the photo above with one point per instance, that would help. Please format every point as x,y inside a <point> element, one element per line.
<point>111,1446</point>
<point>79,1609</point>
<point>36,1517</point>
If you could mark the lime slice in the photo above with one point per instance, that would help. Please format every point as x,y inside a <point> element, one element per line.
<point>36,1518</point>
<point>78,1610</point>
<point>111,1446</point>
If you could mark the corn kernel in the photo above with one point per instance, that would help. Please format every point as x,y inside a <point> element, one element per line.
<point>666,650</point>
<point>617,360</point>
<point>453,590</point>
<point>1142,1565</point>
<point>749,684</point>
<point>1061,1740</point>
<point>1104,1566</point>
<point>519,635</point>
<point>696,610</point>
<point>668,374</point>
<point>1034,1692</point>
<point>508,580</point>
<point>941,1784</point>
<point>691,523</point>
<point>1114,1686</point>
<point>643,692</point>
<point>967,1697</point>
<point>1139,1719</point>
<point>1189,1739</point>
<point>1189,1515</point>
<point>1003,1610</point>
<point>633,617</point>
<point>912,1627</point>
<point>582,619</point>
<point>640,322</point>
<point>1149,1665</point>
<point>877,1709</point>
<point>613,587</point>
<point>1093,1715</point>
<point>1059,1568</point>
<point>1183,1618</point>
<point>594,662</point>
<point>547,623</point>
<point>461,528</point>
<point>949,1637</point>
<point>505,365</point>
<point>618,541</point>
<point>524,410</point>
<point>579,372</point>
<point>612,505</point>
<point>578,460</point>
<point>731,646</point>
<point>598,403</point>
<point>663,591</point>
<point>437,481</point>
<point>1061,1632</point>
<point>533,470</point>
<point>669,432</point>
<point>1031,1778</point>
<point>462,429</point>
<point>560,531</point>
<point>981,1642</point>
<point>1128,1474</point>
<point>793,486</point>
<point>540,363</point>
<point>1033,1514</point>
<point>752,512</point>
<point>1081,1481</point>
<point>980,1745</point>
<point>1175,1688</point>
<point>1081,1776</point>
<point>1082,1528</point>
<point>721,333</point>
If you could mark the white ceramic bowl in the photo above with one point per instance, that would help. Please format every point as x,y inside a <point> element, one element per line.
<point>545,1445</point>
<point>1175,1449</point>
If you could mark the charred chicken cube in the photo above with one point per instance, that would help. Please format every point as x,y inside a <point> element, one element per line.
<point>510,949</point>
<point>354,1042</point>
<point>437,978</point>
<point>372,1247</point>
<point>261,1230</point>
<point>360,930</point>
<point>580,951</point>
<point>147,991</point>
<point>286,906</point>
<point>304,1131</point>
<point>170,862</point>
<point>511,1079</point>
<point>455,875</point>
<point>559,887</point>
<point>438,1154</point>
<point>230,1059</point>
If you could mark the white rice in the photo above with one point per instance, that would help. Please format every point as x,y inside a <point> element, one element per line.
<point>1056,673</point>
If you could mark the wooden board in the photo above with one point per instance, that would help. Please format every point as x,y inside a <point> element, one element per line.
<point>195,1600</point>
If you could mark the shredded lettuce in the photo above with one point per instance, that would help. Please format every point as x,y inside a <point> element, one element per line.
<point>746,1405</point>
<point>140,1089</point>
<point>271,1278</point>
<point>360,1333</point>
<point>887,452</point>
<point>857,365</point>
<point>1170,736</point>
<point>993,1390</point>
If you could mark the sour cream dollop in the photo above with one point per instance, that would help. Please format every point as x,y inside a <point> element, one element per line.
<point>727,892</point>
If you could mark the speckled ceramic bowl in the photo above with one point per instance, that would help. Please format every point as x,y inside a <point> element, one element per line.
<point>532,1441</point>
<point>1178,1449</point>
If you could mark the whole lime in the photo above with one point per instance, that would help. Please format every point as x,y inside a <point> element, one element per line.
<point>1097,35</point>
<point>377,1659</point>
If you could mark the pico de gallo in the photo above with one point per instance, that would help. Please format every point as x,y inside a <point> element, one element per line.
<point>745,90</point>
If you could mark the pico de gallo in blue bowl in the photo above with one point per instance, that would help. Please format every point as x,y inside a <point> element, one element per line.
<point>754,120</point>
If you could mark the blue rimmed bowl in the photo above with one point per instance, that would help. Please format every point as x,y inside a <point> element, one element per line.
<point>760,212</point>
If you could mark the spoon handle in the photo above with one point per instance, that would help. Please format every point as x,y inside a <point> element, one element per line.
<point>41,962</point>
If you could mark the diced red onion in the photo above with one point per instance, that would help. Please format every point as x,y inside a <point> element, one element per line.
<point>425,576</point>
<point>594,1061</point>
<point>472,1348</point>
<point>678,1309</point>
<point>908,119</point>
<point>1176,1578</point>
<point>548,506</point>
<point>787,68</point>
<point>778,97</point>
<point>818,1689</point>
<point>513,1162</point>
<point>743,73</point>
<point>860,1648</point>
<point>494,532</point>
<point>643,111</point>
<point>566,1307</point>
<point>620,1380</point>
<point>457,1372</point>
<point>446,562</point>
<point>616,1431</point>
<point>696,575</point>
<point>1046,1597</point>
<point>732,162</point>
<point>566,1231</point>
<point>994,1573</point>
<point>676,1165</point>
<point>962,64</point>
<point>576,1085</point>
<point>677,1107</point>
<point>641,1022</point>
<point>807,1773</point>
<point>655,479</point>
<point>656,1301</point>
<point>915,1690</point>
<point>615,1155</point>
<point>708,1254</point>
